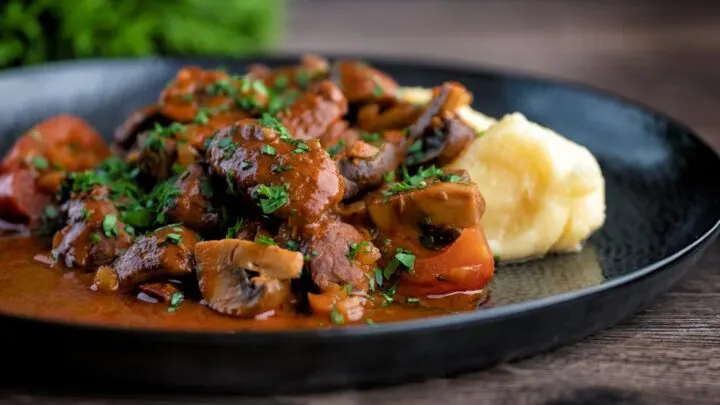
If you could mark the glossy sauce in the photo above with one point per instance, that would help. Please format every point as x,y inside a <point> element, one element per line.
<point>32,289</point>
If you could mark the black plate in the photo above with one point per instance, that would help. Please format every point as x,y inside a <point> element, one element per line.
<point>663,201</point>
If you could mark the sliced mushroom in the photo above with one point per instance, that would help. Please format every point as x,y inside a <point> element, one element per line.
<point>441,143</point>
<point>140,120</point>
<point>441,204</point>
<point>244,278</point>
<point>373,118</point>
<point>165,253</point>
<point>364,173</point>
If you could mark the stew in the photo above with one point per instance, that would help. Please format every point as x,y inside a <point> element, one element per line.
<point>298,196</point>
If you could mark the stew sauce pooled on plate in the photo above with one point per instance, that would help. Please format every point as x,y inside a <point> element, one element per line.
<point>299,196</point>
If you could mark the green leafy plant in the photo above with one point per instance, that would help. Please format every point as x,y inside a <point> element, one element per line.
<point>33,31</point>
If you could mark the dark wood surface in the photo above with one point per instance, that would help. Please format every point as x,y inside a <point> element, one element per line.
<point>666,55</point>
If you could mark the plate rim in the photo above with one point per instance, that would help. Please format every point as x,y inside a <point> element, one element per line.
<point>404,326</point>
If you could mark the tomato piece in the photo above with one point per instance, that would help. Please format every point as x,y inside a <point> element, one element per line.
<point>20,201</point>
<point>466,265</point>
<point>63,143</point>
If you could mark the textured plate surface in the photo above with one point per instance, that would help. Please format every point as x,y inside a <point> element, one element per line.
<point>663,198</point>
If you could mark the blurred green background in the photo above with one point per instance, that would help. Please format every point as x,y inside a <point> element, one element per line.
<point>35,31</point>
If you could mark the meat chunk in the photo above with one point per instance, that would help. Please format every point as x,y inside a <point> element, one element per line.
<point>55,146</point>
<point>285,177</point>
<point>362,83</point>
<point>193,205</point>
<point>164,253</point>
<point>341,255</point>
<point>311,115</point>
<point>93,235</point>
<point>243,278</point>
<point>437,202</point>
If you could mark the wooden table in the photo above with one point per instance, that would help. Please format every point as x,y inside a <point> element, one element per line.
<point>666,55</point>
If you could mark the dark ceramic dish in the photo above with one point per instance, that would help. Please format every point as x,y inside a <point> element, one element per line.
<point>663,198</point>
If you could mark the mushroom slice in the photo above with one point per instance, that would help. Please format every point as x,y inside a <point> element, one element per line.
<point>244,278</point>
<point>441,204</point>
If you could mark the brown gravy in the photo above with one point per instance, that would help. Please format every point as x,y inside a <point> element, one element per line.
<point>32,289</point>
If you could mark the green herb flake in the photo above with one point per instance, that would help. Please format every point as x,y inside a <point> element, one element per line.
<point>406,258</point>
<point>348,288</point>
<point>174,238</point>
<point>271,198</point>
<point>265,240</point>
<point>235,229</point>
<point>281,81</point>
<point>268,150</point>
<point>479,133</point>
<point>337,148</point>
<point>371,136</point>
<point>206,188</point>
<point>389,177</point>
<point>369,322</point>
<point>300,147</point>
<point>336,317</point>
<point>95,238</point>
<point>268,121</point>
<point>202,117</point>
<point>281,168</point>
<point>110,225</point>
<point>354,248</point>
<point>178,229</point>
<point>187,97</point>
<point>292,245</point>
<point>496,258</point>
<point>377,91</point>
<point>175,300</point>
<point>40,163</point>
<point>378,276</point>
<point>302,78</point>
<point>51,212</point>
<point>411,300</point>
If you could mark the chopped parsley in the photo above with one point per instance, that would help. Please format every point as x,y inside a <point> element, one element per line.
<point>206,188</point>
<point>202,117</point>
<point>220,87</point>
<point>419,180</point>
<point>336,317</point>
<point>175,300</point>
<point>40,163</point>
<point>281,168</point>
<point>371,136</point>
<point>300,147</point>
<point>235,229</point>
<point>269,121</point>
<point>348,288</point>
<point>271,198</point>
<point>292,245</point>
<point>281,81</point>
<point>110,225</point>
<point>51,212</point>
<point>309,256</point>
<point>95,238</point>
<point>406,258</point>
<point>85,213</point>
<point>389,177</point>
<point>354,248</point>
<point>496,258</point>
<point>265,240</point>
<point>174,238</point>
<point>337,148</point>
<point>479,134</point>
<point>302,78</point>
<point>268,150</point>
<point>377,91</point>
<point>411,300</point>
<point>389,296</point>
<point>369,322</point>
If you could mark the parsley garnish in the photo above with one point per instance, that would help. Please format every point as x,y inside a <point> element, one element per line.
<point>95,238</point>
<point>371,136</point>
<point>479,134</point>
<point>202,117</point>
<point>337,148</point>
<point>369,322</point>
<point>281,81</point>
<point>348,288</point>
<point>292,245</point>
<point>300,147</point>
<point>265,240</point>
<point>302,78</point>
<point>51,212</point>
<point>336,317</point>
<point>411,300</point>
<point>246,165</point>
<point>281,168</point>
<point>377,91</point>
<point>175,300</point>
<point>419,180</point>
<point>85,213</point>
<point>40,163</point>
<point>109,225</point>
<point>271,198</point>
<point>174,238</point>
<point>268,150</point>
<point>406,258</point>
<point>389,177</point>
<point>221,86</point>
<point>269,121</point>
<point>354,248</point>
<point>233,230</point>
<point>206,189</point>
